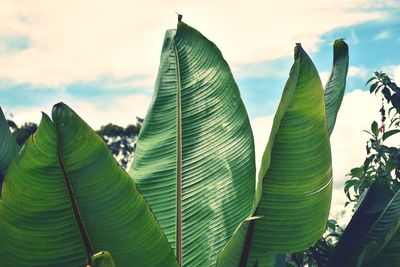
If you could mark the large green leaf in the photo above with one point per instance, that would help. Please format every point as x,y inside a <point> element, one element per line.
<point>8,147</point>
<point>194,161</point>
<point>295,181</point>
<point>336,85</point>
<point>373,224</point>
<point>66,198</point>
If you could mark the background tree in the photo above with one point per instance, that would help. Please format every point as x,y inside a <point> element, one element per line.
<point>121,141</point>
<point>382,162</point>
<point>22,133</point>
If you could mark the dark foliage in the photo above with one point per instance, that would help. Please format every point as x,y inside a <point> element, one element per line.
<point>22,134</point>
<point>121,141</point>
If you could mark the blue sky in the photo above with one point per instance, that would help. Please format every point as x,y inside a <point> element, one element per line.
<point>373,46</point>
<point>101,57</point>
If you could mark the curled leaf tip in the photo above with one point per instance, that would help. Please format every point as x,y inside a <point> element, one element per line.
<point>341,49</point>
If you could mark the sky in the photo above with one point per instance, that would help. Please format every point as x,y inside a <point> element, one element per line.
<point>101,58</point>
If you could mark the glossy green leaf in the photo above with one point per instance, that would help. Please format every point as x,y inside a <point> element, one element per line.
<point>373,224</point>
<point>375,128</point>
<point>8,147</point>
<point>336,85</point>
<point>194,161</point>
<point>389,133</point>
<point>296,173</point>
<point>295,181</point>
<point>66,198</point>
<point>373,87</point>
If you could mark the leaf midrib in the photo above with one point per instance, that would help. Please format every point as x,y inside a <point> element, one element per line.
<point>74,205</point>
<point>179,162</point>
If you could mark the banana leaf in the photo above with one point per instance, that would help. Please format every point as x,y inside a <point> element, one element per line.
<point>66,198</point>
<point>336,85</point>
<point>195,162</point>
<point>295,181</point>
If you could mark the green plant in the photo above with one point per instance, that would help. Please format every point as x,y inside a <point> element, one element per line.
<point>382,161</point>
<point>371,237</point>
<point>65,198</point>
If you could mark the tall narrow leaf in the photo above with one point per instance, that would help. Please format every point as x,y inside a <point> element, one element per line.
<point>295,181</point>
<point>66,198</point>
<point>194,161</point>
<point>8,147</point>
<point>336,85</point>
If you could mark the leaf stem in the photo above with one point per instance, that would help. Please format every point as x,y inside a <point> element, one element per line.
<point>75,209</point>
<point>179,166</point>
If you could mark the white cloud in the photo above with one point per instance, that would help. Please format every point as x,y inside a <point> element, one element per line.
<point>348,140</point>
<point>81,40</point>
<point>382,35</point>
<point>358,110</point>
<point>393,71</point>
<point>261,129</point>
<point>361,72</point>
<point>354,38</point>
<point>121,111</point>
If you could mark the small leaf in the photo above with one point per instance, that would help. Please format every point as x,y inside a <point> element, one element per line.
<point>375,128</point>
<point>387,134</point>
<point>370,80</point>
<point>368,161</point>
<point>396,101</point>
<point>386,93</point>
<point>390,165</point>
<point>357,172</point>
<point>373,87</point>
